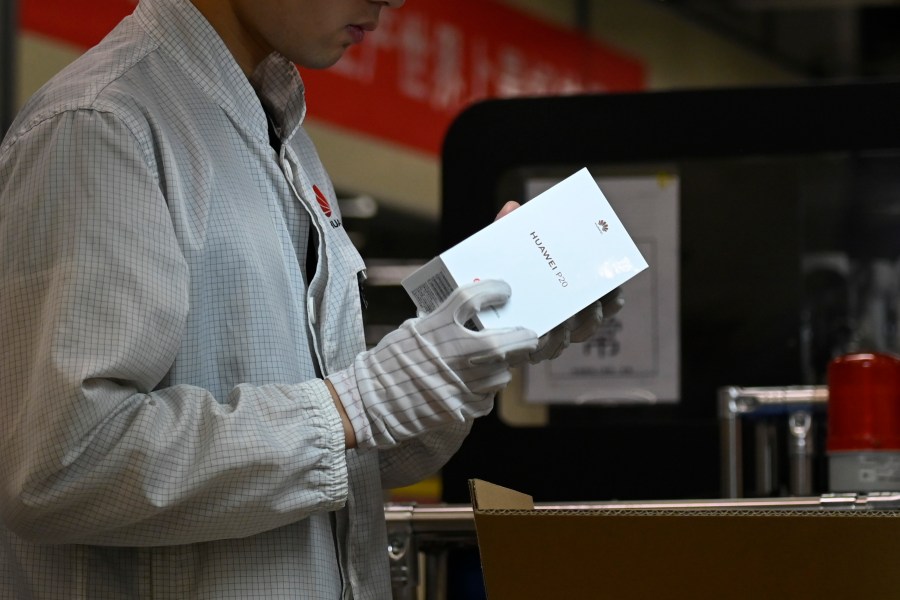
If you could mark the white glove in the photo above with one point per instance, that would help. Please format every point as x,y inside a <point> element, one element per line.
<point>578,328</point>
<point>432,370</point>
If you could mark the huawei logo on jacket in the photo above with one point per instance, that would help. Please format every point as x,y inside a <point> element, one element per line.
<point>325,205</point>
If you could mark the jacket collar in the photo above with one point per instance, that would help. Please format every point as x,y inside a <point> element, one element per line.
<point>187,37</point>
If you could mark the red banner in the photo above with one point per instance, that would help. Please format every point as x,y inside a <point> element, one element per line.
<point>82,23</point>
<point>426,62</point>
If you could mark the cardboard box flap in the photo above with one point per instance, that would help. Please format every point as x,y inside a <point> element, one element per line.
<point>682,554</point>
<point>490,496</point>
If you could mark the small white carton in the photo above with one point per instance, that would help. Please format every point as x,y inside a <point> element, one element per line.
<point>559,252</point>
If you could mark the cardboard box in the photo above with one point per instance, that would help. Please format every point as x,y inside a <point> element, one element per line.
<point>689,553</point>
<point>559,252</point>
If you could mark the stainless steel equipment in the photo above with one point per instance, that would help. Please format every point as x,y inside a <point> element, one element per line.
<point>802,406</point>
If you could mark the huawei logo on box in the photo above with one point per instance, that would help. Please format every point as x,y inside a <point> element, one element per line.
<point>602,226</point>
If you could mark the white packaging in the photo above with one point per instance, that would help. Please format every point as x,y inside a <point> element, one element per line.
<point>559,252</point>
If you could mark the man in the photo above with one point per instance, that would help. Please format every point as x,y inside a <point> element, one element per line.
<point>188,409</point>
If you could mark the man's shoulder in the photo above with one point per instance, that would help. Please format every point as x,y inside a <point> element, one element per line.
<point>109,77</point>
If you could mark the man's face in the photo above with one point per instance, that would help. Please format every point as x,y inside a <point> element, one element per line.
<point>311,33</point>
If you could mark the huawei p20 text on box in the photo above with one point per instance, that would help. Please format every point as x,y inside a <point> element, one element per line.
<point>559,252</point>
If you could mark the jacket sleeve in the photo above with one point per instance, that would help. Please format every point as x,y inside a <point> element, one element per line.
<point>95,448</point>
<point>413,460</point>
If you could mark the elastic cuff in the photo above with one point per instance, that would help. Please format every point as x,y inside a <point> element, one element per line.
<point>344,383</point>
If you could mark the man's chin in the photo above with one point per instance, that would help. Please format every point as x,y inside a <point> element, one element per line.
<point>321,62</point>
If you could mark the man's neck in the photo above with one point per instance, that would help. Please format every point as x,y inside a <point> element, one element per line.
<point>246,50</point>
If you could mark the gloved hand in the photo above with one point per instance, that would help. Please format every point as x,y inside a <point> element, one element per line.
<point>578,328</point>
<point>432,370</point>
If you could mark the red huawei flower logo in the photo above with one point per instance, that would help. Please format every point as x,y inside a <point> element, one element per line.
<point>322,200</point>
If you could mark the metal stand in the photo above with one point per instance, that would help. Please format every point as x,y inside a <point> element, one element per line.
<point>800,404</point>
<point>419,538</point>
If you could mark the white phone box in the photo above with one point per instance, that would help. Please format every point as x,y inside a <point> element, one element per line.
<point>559,252</point>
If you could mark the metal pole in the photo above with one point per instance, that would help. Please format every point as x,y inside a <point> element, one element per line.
<point>730,443</point>
<point>766,457</point>
<point>802,449</point>
<point>9,28</point>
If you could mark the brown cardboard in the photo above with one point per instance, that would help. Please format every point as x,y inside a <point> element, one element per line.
<point>625,554</point>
